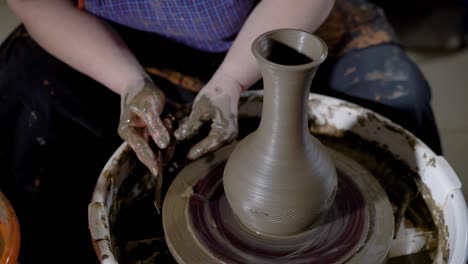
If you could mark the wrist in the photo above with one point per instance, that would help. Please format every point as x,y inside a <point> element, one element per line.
<point>222,79</point>
<point>133,87</point>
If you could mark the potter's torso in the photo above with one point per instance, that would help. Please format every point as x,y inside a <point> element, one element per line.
<point>209,25</point>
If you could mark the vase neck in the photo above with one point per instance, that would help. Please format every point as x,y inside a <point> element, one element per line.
<point>284,113</point>
<point>288,60</point>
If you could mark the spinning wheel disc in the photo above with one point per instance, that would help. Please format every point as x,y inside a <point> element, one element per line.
<point>200,227</point>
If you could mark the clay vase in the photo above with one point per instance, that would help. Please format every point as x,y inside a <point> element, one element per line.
<point>280,179</point>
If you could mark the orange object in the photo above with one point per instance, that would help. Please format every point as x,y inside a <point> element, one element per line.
<point>9,232</point>
<point>186,82</point>
<point>81,4</point>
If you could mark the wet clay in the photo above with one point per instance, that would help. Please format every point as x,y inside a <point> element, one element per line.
<point>142,106</point>
<point>280,179</point>
<point>223,128</point>
<point>340,232</point>
<point>136,228</point>
<point>200,226</point>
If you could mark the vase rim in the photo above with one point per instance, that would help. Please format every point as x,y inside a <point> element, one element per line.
<point>315,61</point>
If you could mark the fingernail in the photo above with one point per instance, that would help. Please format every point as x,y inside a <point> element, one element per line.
<point>162,144</point>
<point>181,133</point>
<point>154,171</point>
<point>194,154</point>
<point>177,134</point>
<point>158,208</point>
<point>163,141</point>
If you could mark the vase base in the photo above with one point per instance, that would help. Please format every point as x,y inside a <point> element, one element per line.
<point>200,226</point>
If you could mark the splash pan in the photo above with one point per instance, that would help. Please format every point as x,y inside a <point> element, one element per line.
<point>428,215</point>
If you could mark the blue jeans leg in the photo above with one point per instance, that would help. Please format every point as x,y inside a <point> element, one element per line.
<point>383,78</point>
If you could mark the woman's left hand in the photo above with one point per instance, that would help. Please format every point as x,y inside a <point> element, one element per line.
<point>217,102</point>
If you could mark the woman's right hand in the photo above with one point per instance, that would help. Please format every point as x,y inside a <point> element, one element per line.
<point>140,120</point>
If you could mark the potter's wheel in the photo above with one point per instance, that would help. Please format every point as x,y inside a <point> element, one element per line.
<point>200,227</point>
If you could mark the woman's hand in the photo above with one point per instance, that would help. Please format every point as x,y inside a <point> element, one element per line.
<point>217,102</point>
<point>140,119</point>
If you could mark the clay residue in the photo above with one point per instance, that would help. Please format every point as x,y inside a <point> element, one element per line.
<point>133,207</point>
<point>399,181</point>
<point>133,200</point>
<point>142,106</point>
<point>113,171</point>
<point>326,129</point>
<point>438,215</point>
<point>223,128</point>
<point>431,162</point>
<point>372,118</point>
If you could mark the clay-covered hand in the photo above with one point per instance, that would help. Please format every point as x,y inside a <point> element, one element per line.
<point>140,119</point>
<point>217,102</point>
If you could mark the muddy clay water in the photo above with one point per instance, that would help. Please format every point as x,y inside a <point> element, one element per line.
<point>137,233</point>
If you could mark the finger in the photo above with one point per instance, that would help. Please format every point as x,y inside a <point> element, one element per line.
<point>189,127</point>
<point>145,133</point>
<point>141,148</point>
<point>212,142</point>
<point>202,111</point>
<point>155,126</point>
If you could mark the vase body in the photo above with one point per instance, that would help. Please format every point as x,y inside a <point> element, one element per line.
<point>280,179</point>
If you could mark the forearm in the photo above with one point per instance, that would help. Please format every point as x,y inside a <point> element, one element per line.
<point>81,40</point>
<point>308,15</point>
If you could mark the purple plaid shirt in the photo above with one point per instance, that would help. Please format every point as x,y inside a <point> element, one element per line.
<point>209,25</point>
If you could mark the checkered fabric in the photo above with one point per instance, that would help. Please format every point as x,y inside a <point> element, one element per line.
<point>208,25</point>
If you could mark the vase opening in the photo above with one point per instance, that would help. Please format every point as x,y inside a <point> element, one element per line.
<point>290,48</point>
